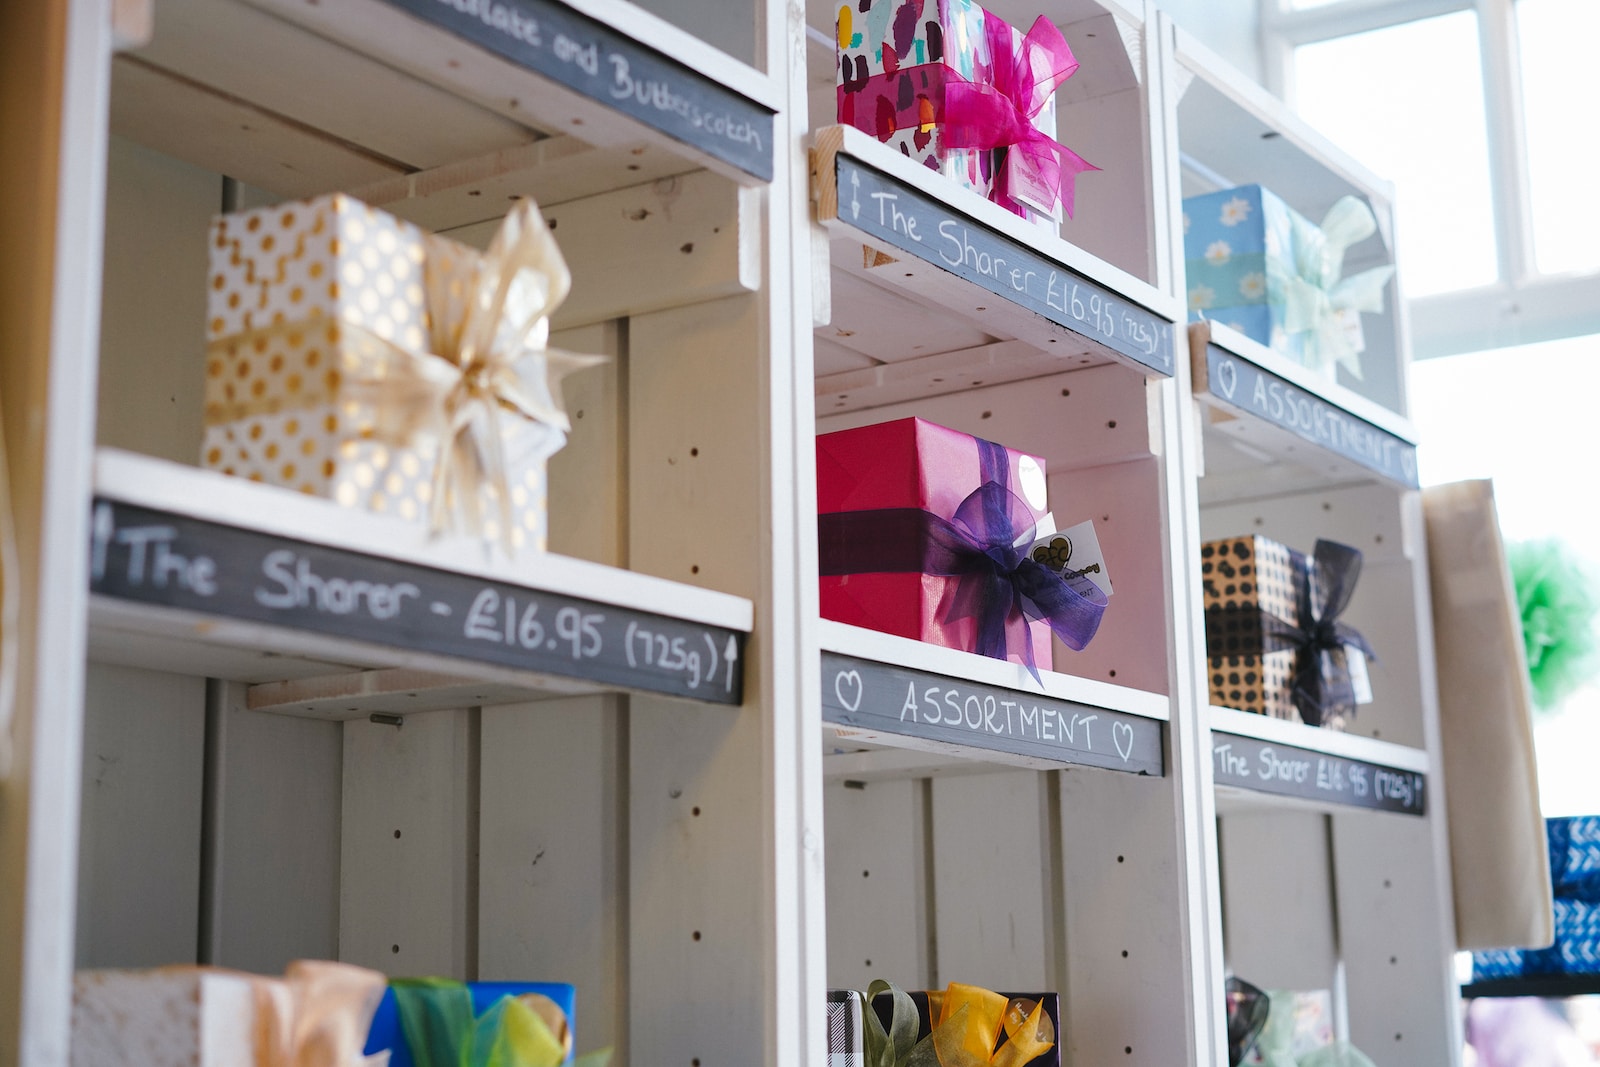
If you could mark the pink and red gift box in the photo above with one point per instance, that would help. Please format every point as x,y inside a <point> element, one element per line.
<point>918,465</point>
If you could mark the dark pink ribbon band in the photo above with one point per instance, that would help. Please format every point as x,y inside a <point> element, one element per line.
<point>999,113</point>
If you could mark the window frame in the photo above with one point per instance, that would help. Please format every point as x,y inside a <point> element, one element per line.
<point>1522,306</point>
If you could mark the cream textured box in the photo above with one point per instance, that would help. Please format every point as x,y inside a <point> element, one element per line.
<point>177,1018</point>
<point>316,311</point>
<point>316,1015</point>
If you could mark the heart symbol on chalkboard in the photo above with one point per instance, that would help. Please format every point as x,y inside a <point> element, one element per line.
<point>1227,377</point>
<point>851,681</point>
<point>1122,737</point>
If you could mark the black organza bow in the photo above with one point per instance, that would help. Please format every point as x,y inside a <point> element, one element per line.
<point>984,546</point>
<point>1247,1015</point>
<point>1321,685</point>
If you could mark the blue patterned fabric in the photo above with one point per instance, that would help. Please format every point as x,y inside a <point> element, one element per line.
<point>1575,857</point>
<point>1230,238</point>
<point>1574,845</point>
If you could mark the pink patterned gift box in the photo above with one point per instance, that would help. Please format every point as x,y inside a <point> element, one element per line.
<point>959,90</point>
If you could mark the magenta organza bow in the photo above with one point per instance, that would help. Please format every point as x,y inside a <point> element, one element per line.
<point>999,111</point>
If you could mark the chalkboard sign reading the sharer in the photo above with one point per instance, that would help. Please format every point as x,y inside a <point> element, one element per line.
<point>1242,384</point>
<point>615,70</point>
<point>913,222</point>
<point>885,699</point>
<point>153,557</point>
<point>1285,770</point>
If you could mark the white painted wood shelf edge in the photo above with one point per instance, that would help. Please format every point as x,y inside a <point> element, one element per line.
<point>606,111</point>
<point>309,675</point>
<point>1315,739</point>
<point>648,29</point>
<point>847,640</point>
<point>214,497</point>
<point>1302,378</point>
<point>846,140</point>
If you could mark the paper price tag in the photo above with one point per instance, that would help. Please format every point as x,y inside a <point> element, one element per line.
<point>1028,186</point>
<point>1074,552</point>
<point>1360,681</point>
<point>1350,325</point>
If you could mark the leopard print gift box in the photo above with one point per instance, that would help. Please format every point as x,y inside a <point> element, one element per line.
<point>1243,577</point>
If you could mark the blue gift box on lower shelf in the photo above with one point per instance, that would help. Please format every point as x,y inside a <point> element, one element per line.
<point>1574,844</point>
<point>1576,949</point>
<point>386,1032</point>
<point>1575,857</point>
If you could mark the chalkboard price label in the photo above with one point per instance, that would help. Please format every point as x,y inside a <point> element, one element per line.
<point>1241,384</point>
<point>886,699</point>
<point>1265,767</point>
<point>915,223</point>
<point>160,558</point>
<point>589,57</point>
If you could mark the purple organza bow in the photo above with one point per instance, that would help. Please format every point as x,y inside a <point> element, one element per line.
<point>984,546</point>
<point>998,111</point>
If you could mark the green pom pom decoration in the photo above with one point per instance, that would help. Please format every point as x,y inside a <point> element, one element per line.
<point>1557,600</point>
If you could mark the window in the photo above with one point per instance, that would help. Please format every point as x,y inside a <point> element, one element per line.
<point>1407,101</point>
<point>1537,398</point>
<point>1560,90</point>
<point>1481,112</point>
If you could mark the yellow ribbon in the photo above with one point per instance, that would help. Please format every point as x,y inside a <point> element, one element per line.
<point>968,1022</point>
<point>487,359</point>
<point>537,1027</point>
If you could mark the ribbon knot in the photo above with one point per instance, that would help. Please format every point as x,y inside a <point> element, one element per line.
<point>490,354</point>
<point>968,1027</point>
<point>998,108</point>
<point>984,547</point>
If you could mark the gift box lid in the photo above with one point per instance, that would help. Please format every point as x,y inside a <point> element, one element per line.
<point>1243,216</point>
<point>913,463</point>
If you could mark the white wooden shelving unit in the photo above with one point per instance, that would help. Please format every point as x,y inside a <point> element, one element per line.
<point>1333,852</point>
<point>703,847</point>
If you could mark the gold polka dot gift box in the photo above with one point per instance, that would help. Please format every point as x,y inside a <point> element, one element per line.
<point>355,357</point>
<point>1245,578</point>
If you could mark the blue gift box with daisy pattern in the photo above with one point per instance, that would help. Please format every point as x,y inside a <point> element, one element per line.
<point>1238,244</point>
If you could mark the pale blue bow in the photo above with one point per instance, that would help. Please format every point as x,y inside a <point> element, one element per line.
<point>1316,298</point>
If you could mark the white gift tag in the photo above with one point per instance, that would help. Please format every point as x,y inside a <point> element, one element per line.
<point>1360,681</point>
<point>1350,325</point>
<point>1027,186</point>
<point>1074,552</point>
<point>1044,528</point>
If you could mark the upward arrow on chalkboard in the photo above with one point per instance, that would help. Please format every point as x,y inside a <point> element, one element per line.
<point>730,657</point>
<point>855,200</point>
